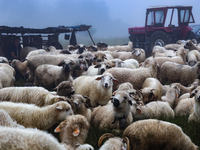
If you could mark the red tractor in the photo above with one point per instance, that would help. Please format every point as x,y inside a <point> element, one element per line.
<point>163,27</point>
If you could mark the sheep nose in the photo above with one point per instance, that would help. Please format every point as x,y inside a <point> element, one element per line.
<point>106,85</point>
<point>102,70</point>
<point>198,98</point>
<point>115,102</point>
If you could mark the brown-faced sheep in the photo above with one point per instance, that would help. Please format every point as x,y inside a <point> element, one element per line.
<point>151,90</point>
<point>174,72</point>
<point>73,130</point>
<point>97,88</point>
<point>30,95</point>
<point>20,66</point>
<point>65,88</point>
<point>32,116</point>
<point>27,139</point>
<point>191,46</point>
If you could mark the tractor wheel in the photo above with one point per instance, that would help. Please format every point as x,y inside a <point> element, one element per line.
<point>190,35</point>
<point>160,38</point>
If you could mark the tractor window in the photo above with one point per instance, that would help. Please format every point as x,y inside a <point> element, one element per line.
<point>182,12</point>
<point>159,16</point>
<point>150,19</point>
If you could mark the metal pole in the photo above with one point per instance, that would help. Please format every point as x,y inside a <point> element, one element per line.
<point>90,36</point>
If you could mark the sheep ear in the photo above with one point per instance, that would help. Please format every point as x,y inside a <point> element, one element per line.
<point>87,102</point>
<point>115,80</point>
<point>80,56</point>
<point>76,132</point>
<point>98,78</point>
<point>61,63</point>
<point>139,110</point>
<point>97,66</point>
<point>57,129</point>
<point>193,93</point>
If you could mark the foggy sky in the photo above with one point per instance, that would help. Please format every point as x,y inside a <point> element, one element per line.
<point>109,18</point>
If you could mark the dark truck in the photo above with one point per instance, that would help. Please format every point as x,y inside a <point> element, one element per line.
<point>163,25</point>
<point>44,37</point>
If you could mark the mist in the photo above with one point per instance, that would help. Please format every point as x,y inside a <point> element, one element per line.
<point>110,19</point>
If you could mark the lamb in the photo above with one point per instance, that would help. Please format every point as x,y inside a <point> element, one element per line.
<point>5,120</point>
<point>80,106</point>
<point>49,76</point>
<point>30,95</point>
<point>195,114</point>
<point>174,72</point>
<point>21,67</point>
<point>139,135</point>
<point>7,75</point>
<point>138,76</point>
<point>26,139</point>
<point>97,69</point>
<point>65,88</point>
<point>153,110</point>
<point>97,88</point>
<point>32,116</point>
<point>151,90</point>
<point>115,115</point>
<point>171,94</point>
<point>73,130</point>
<point>184,107</point>
<point>163,134</point>
<point>193,56</point>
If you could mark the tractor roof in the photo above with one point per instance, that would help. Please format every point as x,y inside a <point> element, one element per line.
<point>169,7</point>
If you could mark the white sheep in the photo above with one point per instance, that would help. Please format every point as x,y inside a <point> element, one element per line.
<point>135,76</point>
<point>195,114</point>
<point>126,48</point>
<point>153,110</point>
<point>129,63</point>
<point>32,116</point>
<point>7,75</point>
<point>6,120</point>
<point>49,76</point>
<point>31,95</point>
<point>193,57</point>
<point>97,88</point>
<point>174,72</point>
<point>151,90</point>
<point>3,60</point>
<point>73,130</point>
<point>27,139</point>
<point>115,115</point>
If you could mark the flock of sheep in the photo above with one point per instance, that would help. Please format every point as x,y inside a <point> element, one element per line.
<point>107,87</point>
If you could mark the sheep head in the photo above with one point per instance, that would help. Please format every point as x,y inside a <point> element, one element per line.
<point>196,94</point>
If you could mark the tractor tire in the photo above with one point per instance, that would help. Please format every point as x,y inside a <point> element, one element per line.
<point>190,35</point>
<point>160,38</point>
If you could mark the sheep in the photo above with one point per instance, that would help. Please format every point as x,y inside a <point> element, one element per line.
<point>99,57</point>
<point>153,110</point>
<point>21,67</point>
<point>79,49</point>
<point>7,75</point>
<point>30,95</point>
<point>6,120</point>
<point>73,130</point>
<point>125,48</point>
<point>174,72</point>
<point>88,56</point>
<point>24,52</point>
<point>32,116</point>
<point>157,134</point>
<point>26,139</point>
<point>124,86</point>
<point>135,76</point>
<point>97,69</point>
<point>116,114</point>
<point>4,60</point>
<point>65,88</point>
<point>191,46</point>
<point>34,61</point>
<point>167,53</point>
<point>49,76</point>
<point>35,52</point>
<point>174,46</point>
<point>151,90</point>
<point>195,114</point>
<point>184,107</point>
<point>97,88</point>
<point>149,134</point>
<point>193,56</point>
<point>80,106</point>
<point>129,63</point>
<point>171,94</point>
